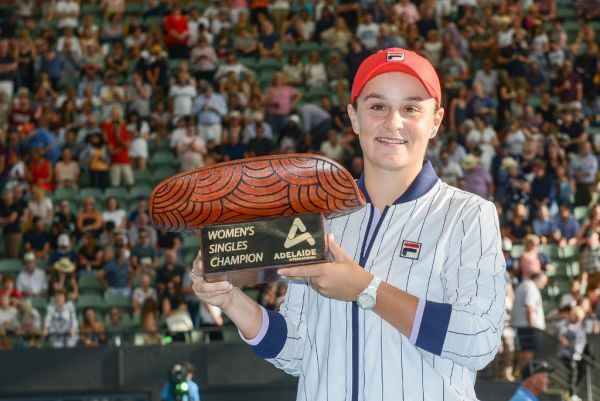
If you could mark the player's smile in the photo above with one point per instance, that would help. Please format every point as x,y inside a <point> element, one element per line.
<point>390,141</point>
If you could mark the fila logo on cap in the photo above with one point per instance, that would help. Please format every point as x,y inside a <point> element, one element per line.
<point>410,250</point>
<point>395,56</point>
<point>293,239</point>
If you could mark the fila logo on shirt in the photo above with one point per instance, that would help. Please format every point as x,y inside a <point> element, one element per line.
<point>410,250</point>
<point>293,239</point>
<point>395,56</point>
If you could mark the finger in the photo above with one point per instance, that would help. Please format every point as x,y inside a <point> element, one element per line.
<point>219,287</point>
<point>305,279</point>
<point>212,287</point>
<point>335,249</point>
<point>197,268</point>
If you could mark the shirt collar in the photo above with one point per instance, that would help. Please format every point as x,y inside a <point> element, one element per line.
<point>527,394</point>
<point>422,183</point>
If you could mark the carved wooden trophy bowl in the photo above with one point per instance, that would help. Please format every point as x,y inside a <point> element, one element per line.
<point>252,206</point>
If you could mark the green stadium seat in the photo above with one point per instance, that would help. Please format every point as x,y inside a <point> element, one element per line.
<point>120,193</point>
<point>121,302</point>
<point>249,62</point>
<point>551,250</point>
<point>288,48</point>
<point>562,285</point>
<point>568,256</point>
<point>566,13</point>
<point>91,9</point>
<point>154,22</point>
<point>134,8</point>
<point>94,301</point>
<point>42,264</point>
<point>269,63</point>
<point>265,78</point>
<point>10,267</point>
<point>142,176</point>
<point>315,93</point>
<point>517,250</point>
<point>89,284</point>
<point>305,48</point>
<point>189,255</point>
<point>163,172</point>
<point>581,213</point>
<point>40,304</point>
<point>163,157</point>
<point>139,190</point>
<point>93,192</point>
<point>174,64</point>
<point>84,179</point>
<point>191,242</point>
<point>69,194</point>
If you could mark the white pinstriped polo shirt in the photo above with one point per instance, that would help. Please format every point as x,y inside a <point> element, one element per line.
<point>436,242</point>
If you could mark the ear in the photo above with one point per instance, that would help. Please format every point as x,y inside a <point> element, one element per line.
<point>353,119</point>
<point>437,121</point>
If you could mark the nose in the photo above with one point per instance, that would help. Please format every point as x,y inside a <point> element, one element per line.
<point>394,120</point>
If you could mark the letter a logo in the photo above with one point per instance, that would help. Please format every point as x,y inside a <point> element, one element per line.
<point>292,239</point>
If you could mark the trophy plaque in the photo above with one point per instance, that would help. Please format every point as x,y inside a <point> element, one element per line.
<point>256,215</point>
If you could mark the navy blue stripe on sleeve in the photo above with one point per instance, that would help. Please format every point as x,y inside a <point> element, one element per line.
<point>434,326</point>
<point>274,339</point>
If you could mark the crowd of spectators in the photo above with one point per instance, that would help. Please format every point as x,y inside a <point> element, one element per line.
<point>89,91</point>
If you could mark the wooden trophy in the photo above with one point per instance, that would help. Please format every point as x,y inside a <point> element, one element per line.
<point>256,215</point>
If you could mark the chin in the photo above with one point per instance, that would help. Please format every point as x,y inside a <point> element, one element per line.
<point>389,163</point>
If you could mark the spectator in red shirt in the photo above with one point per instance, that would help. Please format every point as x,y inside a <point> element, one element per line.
<point>8,287</point>
<point>176,27</point>
<point>118,140</point>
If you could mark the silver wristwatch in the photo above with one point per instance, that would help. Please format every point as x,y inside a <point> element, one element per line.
<point>368,297</point>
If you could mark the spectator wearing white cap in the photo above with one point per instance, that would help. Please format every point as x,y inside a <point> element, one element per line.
<point>32,280</point>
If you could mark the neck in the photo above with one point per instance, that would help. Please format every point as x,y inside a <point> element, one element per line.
<point>531,389</point>
<point>385,186</point>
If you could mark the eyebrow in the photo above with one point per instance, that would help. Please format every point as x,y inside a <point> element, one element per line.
<point>382,97</point>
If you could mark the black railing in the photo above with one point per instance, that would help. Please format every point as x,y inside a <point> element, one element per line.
<point>588,389</point>
<point>132,336</point>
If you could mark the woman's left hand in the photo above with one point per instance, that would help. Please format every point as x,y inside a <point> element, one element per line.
<point>341,279</point>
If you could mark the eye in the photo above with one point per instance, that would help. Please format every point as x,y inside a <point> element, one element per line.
<point>377,107</point>
<point>411,109</point>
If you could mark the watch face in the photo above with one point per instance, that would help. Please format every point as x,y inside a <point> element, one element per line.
<point>365,301</point>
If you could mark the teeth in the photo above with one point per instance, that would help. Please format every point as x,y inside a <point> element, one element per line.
<point>390,140</point>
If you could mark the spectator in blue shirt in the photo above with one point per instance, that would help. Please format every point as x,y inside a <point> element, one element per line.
<point>43,138</point>
<point>542,186</point>
<point>50,64</point>
<point>535,381</point>
<point>544,227</point>
<point>567,225</point>
<point>115,275</point>
<point>181,374</point>
<point>209,109</point>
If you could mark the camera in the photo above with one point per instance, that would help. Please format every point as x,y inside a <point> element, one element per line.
<point>178,385</point>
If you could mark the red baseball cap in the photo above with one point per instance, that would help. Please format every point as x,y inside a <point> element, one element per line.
<point>396,59</point>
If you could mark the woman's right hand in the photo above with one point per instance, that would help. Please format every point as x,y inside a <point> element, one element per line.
<point>218,294</point>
